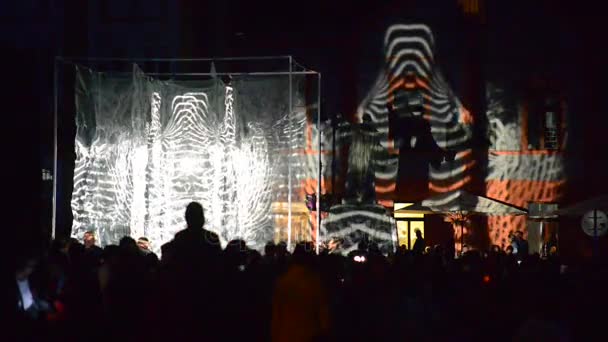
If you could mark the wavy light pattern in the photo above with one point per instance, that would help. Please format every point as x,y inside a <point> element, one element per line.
<point>138,183</point>
<point>516,175</point>
<point>412,47</point>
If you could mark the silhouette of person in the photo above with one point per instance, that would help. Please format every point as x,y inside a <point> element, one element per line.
<point>194,262</point>
<point>522,244</point>
<point>90,246</point>
<point>195,244</point>
<point>417,148</point>
<point>450,250</point>
<point>300,306</point>
<point>419,244</point>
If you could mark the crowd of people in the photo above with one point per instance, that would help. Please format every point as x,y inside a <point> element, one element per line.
<point>198,291</point>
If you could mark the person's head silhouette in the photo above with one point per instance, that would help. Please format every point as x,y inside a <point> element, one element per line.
<point>195,217</point>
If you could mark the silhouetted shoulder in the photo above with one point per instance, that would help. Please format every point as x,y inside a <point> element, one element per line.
<point>211,238</point>
<point>166,247</point>
<point>181,234</point>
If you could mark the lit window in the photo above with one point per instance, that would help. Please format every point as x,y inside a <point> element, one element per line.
<point>407,223</point>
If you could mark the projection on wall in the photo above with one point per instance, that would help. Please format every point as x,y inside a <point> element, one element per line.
<point>520,170</point>
<point>413,84</point>
<point>358,218</point>
<point>424,135</point>
<point>145,148</point>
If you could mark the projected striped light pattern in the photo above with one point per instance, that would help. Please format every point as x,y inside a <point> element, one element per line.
<point>517,175</point>
<point>412,47</point>
<point>140,187</point>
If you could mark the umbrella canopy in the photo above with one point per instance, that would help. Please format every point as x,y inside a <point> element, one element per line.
<point>462,202</point>
<point>580,208</point>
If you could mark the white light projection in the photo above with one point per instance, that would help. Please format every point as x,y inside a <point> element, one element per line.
<point>412,47</point>
<point>504,126</point>
<point>101,182</point>
<point>201,160</point>
<point>135,180</point>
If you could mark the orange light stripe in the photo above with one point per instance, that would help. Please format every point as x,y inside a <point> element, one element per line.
<point>526,152</point>
<point>451,187</point>
<point>308,132</point>
<point>465,116</point>
<point>310,185</point>
<point>393,87</point>
<point>387,203</point>
<point>386,188</point>
<point>306,151</point>
<point>469,165</point>
<point>464,154</point>
<point>422,83</point>
<point>537,191</point>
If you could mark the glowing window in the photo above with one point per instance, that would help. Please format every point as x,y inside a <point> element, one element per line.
<point>402,233</point>
<point>407,223</point>
<point>413,226</point>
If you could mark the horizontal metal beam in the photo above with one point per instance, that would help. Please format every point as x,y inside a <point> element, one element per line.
<point>310,72</point>
<point>143,59</point>
<point>268,73</point>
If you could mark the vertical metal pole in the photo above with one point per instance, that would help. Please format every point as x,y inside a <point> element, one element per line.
<point>320,176</point>
<point>334,126</point>
<point>595,237</point>
<point>409,235</point>
<point>461,238</point>
<point>55,131</point>
<point>289,226</point>
<point>557,243</point>
<point>542,253</point>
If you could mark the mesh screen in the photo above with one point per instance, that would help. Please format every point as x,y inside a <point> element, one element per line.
<point>145,148</point>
